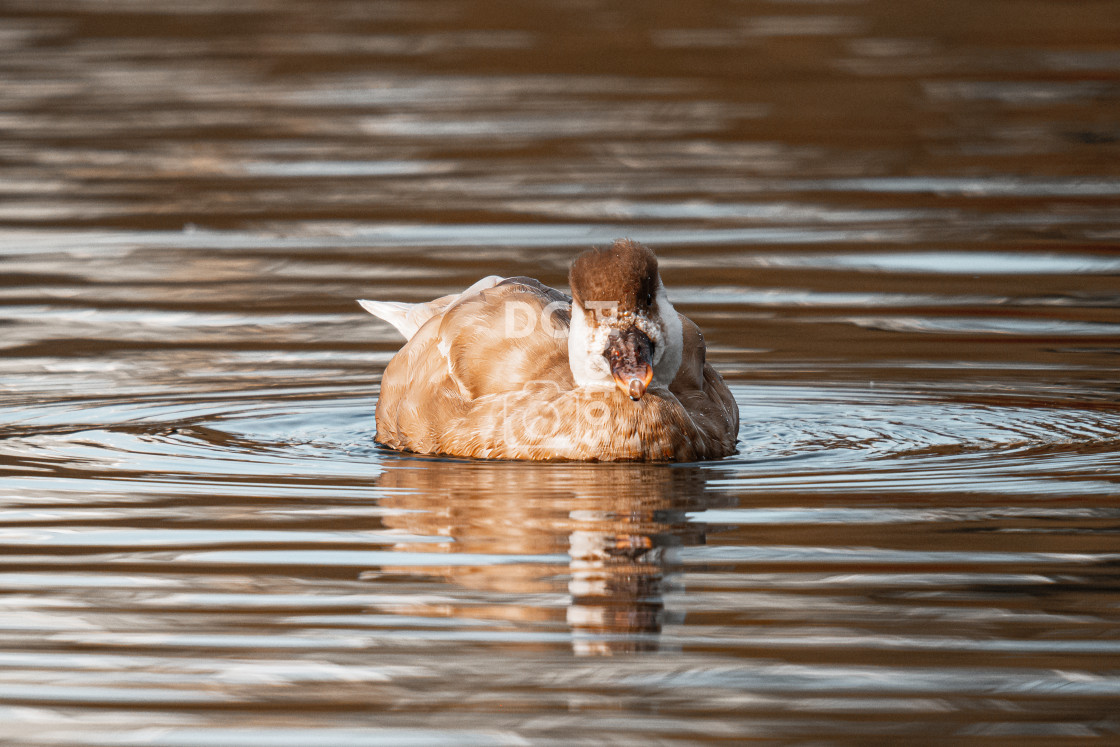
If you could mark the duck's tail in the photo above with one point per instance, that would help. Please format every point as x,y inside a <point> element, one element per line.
<point>400,315</point>
<point>410,317</point>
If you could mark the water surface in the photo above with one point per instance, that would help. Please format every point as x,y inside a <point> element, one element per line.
<point>895,222</point>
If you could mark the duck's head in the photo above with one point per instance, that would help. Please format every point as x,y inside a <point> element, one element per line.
<point>624,330</point>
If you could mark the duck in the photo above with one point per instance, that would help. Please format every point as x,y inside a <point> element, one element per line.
<point>513,369</point>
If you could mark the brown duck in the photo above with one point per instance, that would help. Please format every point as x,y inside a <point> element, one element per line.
<point>513,369</point>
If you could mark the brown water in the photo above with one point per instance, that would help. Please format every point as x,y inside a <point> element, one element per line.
<point>897,223</point>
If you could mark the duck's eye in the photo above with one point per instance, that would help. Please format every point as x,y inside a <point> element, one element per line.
<point>649,299</point>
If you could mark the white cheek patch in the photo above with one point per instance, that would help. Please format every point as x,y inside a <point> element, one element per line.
<point>598,338</point>
<point>586,346</point>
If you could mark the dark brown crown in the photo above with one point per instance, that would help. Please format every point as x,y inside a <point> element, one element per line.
<point>624,273</point>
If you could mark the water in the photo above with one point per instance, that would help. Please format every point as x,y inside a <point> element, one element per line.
<point>896,223</point>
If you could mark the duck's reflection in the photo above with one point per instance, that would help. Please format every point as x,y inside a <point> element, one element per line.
<point>617,525</point>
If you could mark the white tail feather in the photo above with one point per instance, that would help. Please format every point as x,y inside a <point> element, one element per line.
<point>396,313</point>
<point>410,317</point>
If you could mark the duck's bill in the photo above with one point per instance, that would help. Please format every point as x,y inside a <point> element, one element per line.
<point>630,354</point>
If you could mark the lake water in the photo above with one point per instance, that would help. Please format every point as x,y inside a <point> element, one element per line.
<point>898,224</point>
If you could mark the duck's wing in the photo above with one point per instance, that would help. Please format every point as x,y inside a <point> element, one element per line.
<point>704,395</point>
<point>506,337</point>
<point>492,343</point>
